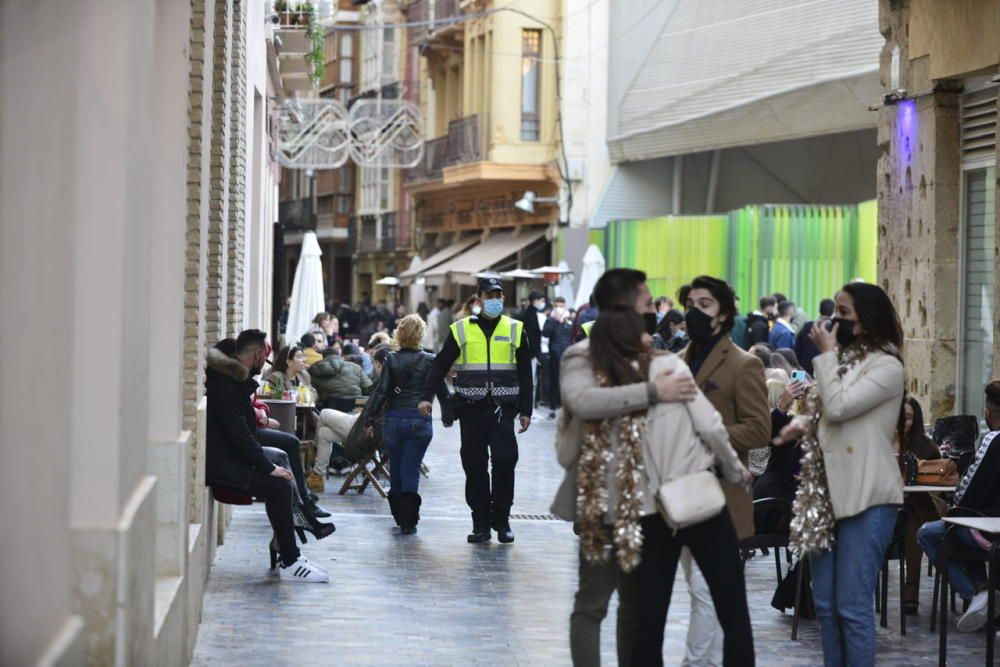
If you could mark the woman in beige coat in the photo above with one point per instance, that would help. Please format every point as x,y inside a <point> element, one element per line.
<point>845,518</point>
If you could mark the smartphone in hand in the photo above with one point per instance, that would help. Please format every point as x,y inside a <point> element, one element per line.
<point>800,376</point>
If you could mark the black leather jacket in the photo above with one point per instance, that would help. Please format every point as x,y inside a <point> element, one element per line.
<point>402,381</point>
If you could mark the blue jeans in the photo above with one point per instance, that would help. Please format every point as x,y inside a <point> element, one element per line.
<point>963,580</point>
<point>407,436</point>
<point>843,586</point>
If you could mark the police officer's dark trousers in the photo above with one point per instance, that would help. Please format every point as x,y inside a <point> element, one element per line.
<point>488,434</point>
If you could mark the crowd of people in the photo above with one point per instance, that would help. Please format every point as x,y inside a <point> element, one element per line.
<point>672,421</point>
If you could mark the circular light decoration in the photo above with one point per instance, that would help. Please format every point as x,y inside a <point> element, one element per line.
<point>313,134</point>
<point>386,133</point>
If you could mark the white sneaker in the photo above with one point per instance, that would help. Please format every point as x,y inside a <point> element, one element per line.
<point>303,571</point>
<point>974,617</point>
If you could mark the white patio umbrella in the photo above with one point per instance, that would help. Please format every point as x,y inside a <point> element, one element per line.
<point>565,286</point>
<point>308,298</point>
<point>593,268</point>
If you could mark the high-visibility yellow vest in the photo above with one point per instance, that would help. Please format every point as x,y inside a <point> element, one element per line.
<point>587,326</point>
<point>487,368</point>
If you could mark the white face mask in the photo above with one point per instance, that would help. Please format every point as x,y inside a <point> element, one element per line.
<point>476,310</point>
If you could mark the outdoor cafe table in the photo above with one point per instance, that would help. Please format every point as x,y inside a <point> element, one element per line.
<point>284,412</point>
<point>983,525</point>
<point>927,488</point>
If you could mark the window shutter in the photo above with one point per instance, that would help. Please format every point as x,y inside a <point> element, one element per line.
<point>979,125</point>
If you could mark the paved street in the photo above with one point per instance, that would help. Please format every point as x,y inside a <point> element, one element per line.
<point>432,599</point>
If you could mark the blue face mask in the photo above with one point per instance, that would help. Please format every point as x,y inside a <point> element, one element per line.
<point>659,317</point>
<point>492,308</point>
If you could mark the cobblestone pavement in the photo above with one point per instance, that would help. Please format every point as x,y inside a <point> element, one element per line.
<point>431,599</point>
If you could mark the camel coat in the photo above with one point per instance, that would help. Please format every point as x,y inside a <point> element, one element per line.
<point>733,381</point>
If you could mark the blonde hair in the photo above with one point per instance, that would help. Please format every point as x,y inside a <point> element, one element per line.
<point>775,388</point>
<point>409,332</point>
<point>378,339</point>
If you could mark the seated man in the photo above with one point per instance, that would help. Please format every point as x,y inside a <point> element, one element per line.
<point>234,458</point>
<point>335,377</point>
<point>978,490</point>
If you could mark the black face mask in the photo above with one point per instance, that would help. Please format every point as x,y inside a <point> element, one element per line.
<point>649,320</point>
<point>845,333</point>
<point>699,325</point>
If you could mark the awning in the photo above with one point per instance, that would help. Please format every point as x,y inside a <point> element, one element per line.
<point>446,253</point>
<point>462,269</point>
<point>723,73</point>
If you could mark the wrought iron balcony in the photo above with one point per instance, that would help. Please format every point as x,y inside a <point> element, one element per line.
<point>418,11</point>
<point>465,143</point>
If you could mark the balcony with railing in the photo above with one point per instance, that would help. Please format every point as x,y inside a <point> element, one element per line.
<point>426,11</point>
<point>465,143</point>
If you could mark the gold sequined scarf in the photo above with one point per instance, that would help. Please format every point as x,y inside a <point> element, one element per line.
<point>813,521</point>
<point>592,488</point>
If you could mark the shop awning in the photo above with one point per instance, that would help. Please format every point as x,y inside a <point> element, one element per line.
<point>723,73</point>
<point>407,277</point>
<point>489,253</point>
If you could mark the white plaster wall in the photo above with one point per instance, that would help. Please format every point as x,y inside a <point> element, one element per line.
<point>37,149</point>
<point>584,100</point>
<point>260,182</point>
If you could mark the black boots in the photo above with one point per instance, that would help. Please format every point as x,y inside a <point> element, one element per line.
<point>306,521</point>
<point>504,533</point>
<point>480,532</point>
<point>409,512</point>
<point>394,506</point>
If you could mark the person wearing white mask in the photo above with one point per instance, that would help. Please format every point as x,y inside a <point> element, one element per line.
<point>492,358</point>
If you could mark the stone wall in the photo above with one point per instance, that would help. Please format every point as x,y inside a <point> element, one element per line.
<point>919,199</point>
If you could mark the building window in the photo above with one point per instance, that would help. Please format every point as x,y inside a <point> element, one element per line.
<point>343,205</point>
<point>346,58</point>
<point>383,200</point>
<point>346,179</point>
<point>978,275</point>
<point>531,53</point>
<point>375,190</point>
<point>324,205</point>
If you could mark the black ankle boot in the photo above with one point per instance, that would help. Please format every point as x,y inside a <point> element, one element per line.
<point>306,521</point>
<point>480,533</point>
<point>504,533</point>
<point>394,506</point>
<point>409,512</point>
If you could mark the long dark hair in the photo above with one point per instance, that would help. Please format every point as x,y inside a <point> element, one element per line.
<point>917,442</point>
<point>284,357</point>
<point>616,345</point>
<point>877,315</point>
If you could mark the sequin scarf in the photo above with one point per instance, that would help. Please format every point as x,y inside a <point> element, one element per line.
<point>592,488</point>
<point>813,521</point>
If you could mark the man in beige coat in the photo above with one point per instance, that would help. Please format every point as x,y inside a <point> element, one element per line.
<point>733,381</point>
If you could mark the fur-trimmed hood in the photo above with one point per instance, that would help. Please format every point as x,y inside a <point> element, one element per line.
<point>231,367</point>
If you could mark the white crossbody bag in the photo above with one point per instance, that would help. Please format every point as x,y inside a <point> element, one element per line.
<point>688,500</point>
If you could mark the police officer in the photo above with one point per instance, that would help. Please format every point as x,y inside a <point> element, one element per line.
<point>492,359</point>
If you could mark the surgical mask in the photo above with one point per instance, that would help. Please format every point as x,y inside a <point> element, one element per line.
<point>845,333</point>
<point>699,325</point>
<point>492,308</point>
<point>540,306</point>
<point>659,317</point>
<point>476,310</point>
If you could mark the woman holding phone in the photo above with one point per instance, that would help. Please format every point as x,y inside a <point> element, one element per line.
<point>849,483</point>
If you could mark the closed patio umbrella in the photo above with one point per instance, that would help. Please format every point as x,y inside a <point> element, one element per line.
<point>593,268</point>
<point>308,298</point>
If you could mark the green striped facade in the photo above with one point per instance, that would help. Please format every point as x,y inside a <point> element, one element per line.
<point>805,252</point>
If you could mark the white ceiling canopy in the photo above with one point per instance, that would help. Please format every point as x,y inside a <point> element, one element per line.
<point>724,73</point>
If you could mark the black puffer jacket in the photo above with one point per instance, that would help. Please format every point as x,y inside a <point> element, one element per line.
<point>232,453</point>
<point>560,335</point>
<point>401,382</point>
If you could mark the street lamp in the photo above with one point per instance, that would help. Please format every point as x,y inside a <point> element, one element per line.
<point>527,202</point>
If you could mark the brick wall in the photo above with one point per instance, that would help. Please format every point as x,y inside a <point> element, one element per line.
<point>237,170</point>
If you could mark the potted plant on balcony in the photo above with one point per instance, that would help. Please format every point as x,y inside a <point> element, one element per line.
<point>316,33</point>
<point>281,9</point>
